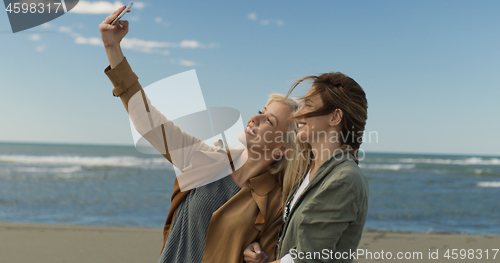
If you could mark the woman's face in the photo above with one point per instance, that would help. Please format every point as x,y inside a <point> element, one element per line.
<point>313,129</point>
<point>267,130</point>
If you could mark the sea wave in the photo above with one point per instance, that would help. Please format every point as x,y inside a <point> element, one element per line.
<point>72,169</point>
<point>489,184</point>
<point>466,161</point>
<point>87,161</point>
<point>392,167</point>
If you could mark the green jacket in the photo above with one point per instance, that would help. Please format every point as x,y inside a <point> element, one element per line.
<point>329,215</point>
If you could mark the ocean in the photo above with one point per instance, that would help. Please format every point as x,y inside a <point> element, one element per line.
<point>119,186</point>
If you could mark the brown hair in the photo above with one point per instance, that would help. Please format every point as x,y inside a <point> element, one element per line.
<point>338,91</point>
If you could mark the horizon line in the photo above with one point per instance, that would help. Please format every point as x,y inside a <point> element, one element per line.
<point>132,145</point>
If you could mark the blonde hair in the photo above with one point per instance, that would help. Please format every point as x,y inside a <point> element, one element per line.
<point>292,166</point>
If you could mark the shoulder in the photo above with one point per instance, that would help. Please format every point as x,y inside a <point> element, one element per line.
<point>346,179</point>
<point>347,173</point>
<point>265,184</point>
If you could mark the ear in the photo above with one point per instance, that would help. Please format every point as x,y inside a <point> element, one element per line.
<point>336,117</point>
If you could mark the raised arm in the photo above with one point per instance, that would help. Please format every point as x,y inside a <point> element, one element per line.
<point>148,121</point>
<point>112,35</point>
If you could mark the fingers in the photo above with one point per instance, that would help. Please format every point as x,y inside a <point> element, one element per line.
<point>262,256</point>
<point>253,253</point>
<point>106,26</point>
<point>115,14</point>
<point>248,252</point>
<point>256,247</point>
<point>119,10</point>
<point>124,23</point>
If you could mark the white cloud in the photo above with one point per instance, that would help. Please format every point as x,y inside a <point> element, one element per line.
<point>34,37</point>
<point>40,48</point>
<point>252,16</point>
<point>68,30</point>
<point>79,39</point>
<point>160,21</point>
<point>88,40</point>
<point>144,45</point>
<point>101,7</point>
<point>65,29</point>
<point>148,46</point>
<point>187,63</point>
<point>191,44</point>
<point>47,25</point>
<point>136,44</point>
<point>139,5</point>
<point>266,22</point>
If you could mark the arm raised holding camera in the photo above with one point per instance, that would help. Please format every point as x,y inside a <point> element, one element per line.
<point>148,121</point>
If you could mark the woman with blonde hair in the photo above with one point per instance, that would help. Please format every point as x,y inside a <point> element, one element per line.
<point>214,222</point>
<point>325,213</point>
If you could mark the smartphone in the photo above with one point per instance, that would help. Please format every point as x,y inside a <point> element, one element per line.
<point>122,14</point>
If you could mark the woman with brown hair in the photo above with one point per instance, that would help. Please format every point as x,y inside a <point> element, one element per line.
<point>326,211</point>
<point>216,221</point>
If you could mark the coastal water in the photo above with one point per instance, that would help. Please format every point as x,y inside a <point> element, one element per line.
<point>119,186</point>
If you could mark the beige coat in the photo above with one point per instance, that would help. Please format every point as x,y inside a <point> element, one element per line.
<point>253,214</point>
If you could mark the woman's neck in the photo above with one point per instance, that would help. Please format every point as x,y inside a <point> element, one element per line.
<point>321,152</point>
<point>253,166</point>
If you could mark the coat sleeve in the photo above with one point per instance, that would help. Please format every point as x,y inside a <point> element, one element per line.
<point>269,238</point>
<point>326,216</point>
<point>151,123</point>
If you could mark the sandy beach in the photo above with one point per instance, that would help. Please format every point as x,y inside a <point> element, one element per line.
<point>21,243</point>
<point>420,244</point>
<point>79,244</point>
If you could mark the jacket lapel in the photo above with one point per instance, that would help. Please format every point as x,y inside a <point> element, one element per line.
<point>260,186</point>
<point>325,169</point>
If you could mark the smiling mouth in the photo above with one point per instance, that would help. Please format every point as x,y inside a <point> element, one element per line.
<point>301,124</point>
<point>250,131</point>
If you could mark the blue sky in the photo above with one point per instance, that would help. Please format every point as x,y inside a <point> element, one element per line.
<point>429,68</point>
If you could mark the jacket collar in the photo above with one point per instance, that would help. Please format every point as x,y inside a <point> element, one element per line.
<point>262,184</point>
<point>338,157</point>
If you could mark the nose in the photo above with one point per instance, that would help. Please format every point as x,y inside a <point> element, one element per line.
<point>255,119</point>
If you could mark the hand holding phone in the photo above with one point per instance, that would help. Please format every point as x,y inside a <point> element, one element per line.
<point>112,34</point>
<point>122,14</point>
